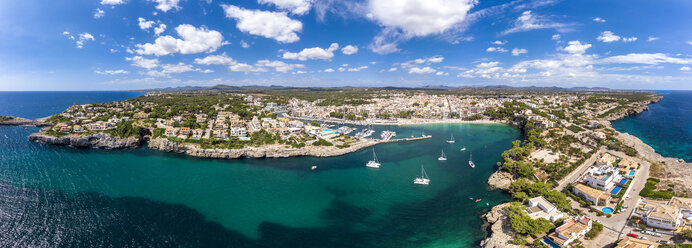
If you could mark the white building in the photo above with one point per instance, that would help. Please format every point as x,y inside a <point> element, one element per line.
<point>603,177</point>
<point>571,230</point>
<point>539,207</point>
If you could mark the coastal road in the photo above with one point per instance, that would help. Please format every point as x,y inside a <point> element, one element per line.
<point>581,169</point>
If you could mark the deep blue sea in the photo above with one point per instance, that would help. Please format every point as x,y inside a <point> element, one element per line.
<point>667,126</point>
<point>38,104</point>
<point>66,197</point>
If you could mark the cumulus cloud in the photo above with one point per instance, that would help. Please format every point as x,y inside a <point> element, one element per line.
<point>645,58</point>
<point>144,24</point>
<point>496,49</point>
<point>441,73</point>
<point>497,42</point>
<point>278,66</point>
<point>576,47</point>
<point>194,40</point>
<point>360,68</point>
<point>685,68</point>
<point>652,38</point>
<point>329,70</point>
<point>244,44</point>
<point>112,2</point>
<point>519,51</point>
<point>222,59</point>
<point>98,13</point>
<point>630,39</point>
<point>298,7</point>
<point>393,69</point>
<point>141,62</point>
<point>348,50</point>
<point>273,25</point>
<point>598,19</point>
<point>111,72</point>
<point>81,38</point>
<point>424,70</point>
<point>404,19</point>
<point>556,37</point>
<point>313,53</point>
<point>158,30</point>
<point>608,36</point>
<point>419,17</point>
<point>528,21</point>
<point>166,5</point>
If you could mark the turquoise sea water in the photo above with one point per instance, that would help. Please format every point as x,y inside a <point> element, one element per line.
<point>61,196</point>
<point>667,126</point>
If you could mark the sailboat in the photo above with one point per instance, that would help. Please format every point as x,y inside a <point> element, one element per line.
<point>424,180</point>
<point>473,165</point>
<point>443,157</point>
<point>451,140</point>
<point>373,163</point>
<point>462,149</point>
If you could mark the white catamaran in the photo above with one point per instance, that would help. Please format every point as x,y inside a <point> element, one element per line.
<point>374,163</point>
<point>424,180</point>
<point>473,165</point>
<point>451,140</point>
<point>443,157</point>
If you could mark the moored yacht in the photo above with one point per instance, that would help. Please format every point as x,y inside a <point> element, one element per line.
<point>374,163</point>
<point>451,140</point>
<point>423,179</point>
<point>471,163</point>
<point>442,157</point>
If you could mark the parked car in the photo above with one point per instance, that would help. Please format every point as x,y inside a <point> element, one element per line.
<point>632,235</point>
<point>644,238</point>
<point>656,234</point>
<point>665,241</point>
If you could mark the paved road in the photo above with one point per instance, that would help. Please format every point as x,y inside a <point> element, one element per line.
<point>581,169</point>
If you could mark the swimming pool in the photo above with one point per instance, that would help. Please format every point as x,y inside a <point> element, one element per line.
<point>607,210</point>
<point>632,173</point>
<point>615,190</point>
<point>623,181</point>
<point>551,243</point>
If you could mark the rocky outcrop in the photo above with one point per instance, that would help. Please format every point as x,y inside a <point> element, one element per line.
<point>499,228</point>
<point>99,140</point>
<point>269,151</point>
<point>501,180</point>
<point>18,121</point>
<point>634,110</point>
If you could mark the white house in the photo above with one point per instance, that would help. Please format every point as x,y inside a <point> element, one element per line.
<point>571,230</point>
<point>603,177</point>
<point>539,207</point>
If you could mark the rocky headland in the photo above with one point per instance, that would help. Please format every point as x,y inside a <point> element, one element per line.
<point>99,140</point>
<point>268,151</point>
<point>499,228</point>
<point>19,121</point>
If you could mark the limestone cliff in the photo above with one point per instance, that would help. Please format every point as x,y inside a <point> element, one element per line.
<point>501,233</point>
<point>99,140</point>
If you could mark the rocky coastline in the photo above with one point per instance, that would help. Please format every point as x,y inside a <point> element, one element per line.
<point>99,140</point>
<point>499,228</point>
<point>271,151</point>
<point>19,121</point>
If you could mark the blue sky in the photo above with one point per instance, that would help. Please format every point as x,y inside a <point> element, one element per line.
<point>137,44</point>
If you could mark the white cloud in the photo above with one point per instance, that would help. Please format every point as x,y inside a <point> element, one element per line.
<point>576,47</point>
<point>424,70</point>
<point>313,53</point>
<point>435,59</point>
<point>242,67</point>
<point>144,24</point>
<point>244,44</point>
<point>488,64</point>
<point>98,13</point>
<point>598,19</point>
<point>685,68</point>
<point>419,17</point>
<point>81,40</point>
<point>274,25</point>
<point>358,68</point>
<point>158,30</point>
<point>222,59</point>
<point>348,50</point>
<point>497,42</point>
<point>652,38</point>
<point>556,37</point>
<point>298,7</point>
<point>496,49</point>
<point>166,5</point>
<point>528,21</point>
<point>111,72</point>
<point>630,39</point>
<point>329,70</point>
<point>608,36</point>
<point>518,51</point>
<point>689,42</point>
<point>112,2</point>
<point>194,40</point>
<point>279,66</point>
<point>441,73</point>
<point>645,58</point>
<point>385,42</point>
<point>141,62</point>
<point>393,69</point>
